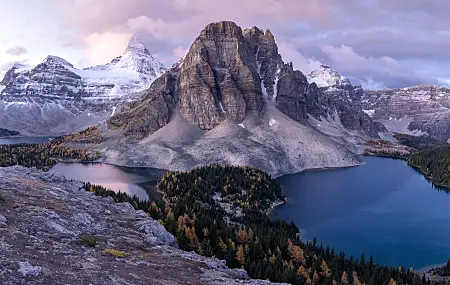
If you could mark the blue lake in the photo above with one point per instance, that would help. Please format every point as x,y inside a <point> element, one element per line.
<point>18,140</point>
<point>383,208</point>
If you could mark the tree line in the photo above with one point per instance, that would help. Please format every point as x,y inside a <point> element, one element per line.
<point>434,164</point>
<point>45,155</point>
<point>222,211</point>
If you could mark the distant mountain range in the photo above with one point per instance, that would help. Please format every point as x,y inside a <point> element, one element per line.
<point>417,110</point>
<point>231,99</point>
<point>55,98</point>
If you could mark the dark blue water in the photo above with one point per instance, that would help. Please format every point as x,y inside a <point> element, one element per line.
<point>17,140</point>
<point>383,208</point>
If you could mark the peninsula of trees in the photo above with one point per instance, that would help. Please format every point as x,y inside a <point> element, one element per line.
<point>222,211</point>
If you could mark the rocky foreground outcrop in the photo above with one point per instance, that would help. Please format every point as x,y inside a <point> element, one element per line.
<point>52,231</point>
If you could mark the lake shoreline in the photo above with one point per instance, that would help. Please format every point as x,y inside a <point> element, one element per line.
<point>430,179</point>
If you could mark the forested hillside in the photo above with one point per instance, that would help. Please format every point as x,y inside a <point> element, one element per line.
<point>221,211</point>
<point>419,142</point>
<point>434,164</point>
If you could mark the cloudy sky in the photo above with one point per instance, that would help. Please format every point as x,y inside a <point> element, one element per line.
<point>379,43</point>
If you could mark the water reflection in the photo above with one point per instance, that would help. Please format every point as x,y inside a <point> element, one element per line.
<point>134,181</point>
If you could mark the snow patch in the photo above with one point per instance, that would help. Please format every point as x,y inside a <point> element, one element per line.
<point>275,85</point>
<point>241,125</point>
<point>221,107</point>
<point>7,104</point>
<point>369,112</point>
<point>263,87</point>
<point>401,126</point>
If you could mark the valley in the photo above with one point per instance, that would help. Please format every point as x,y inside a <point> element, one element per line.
<point>348,209</point>
<point>229,154</point>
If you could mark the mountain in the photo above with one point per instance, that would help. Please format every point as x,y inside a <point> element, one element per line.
<point>55,98</point>
<point>344,98</point>
<point>417,110</point>
<point>233,100</point>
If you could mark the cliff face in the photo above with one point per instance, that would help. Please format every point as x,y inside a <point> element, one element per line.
<point>218,78</point>
<point>416,110</point>
<point>340,97</point>
<point>74,237</point>
<point>230,74</point>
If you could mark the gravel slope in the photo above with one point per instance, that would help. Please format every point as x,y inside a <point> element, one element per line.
<point>272,142</point>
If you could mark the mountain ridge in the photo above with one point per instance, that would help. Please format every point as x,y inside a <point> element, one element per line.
<point>56,98</point>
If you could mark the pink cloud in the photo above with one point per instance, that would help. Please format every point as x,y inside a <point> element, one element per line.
<point>101,48</point>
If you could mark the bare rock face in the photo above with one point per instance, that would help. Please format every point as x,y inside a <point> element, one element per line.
<point>153,111</point>
<point>291,93</point>
<point>229,74</point>
<point>417,110</point>
<point>218,79</point>
<point>339,97</point>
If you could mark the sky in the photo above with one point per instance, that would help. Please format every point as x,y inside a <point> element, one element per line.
<point>376,43</point>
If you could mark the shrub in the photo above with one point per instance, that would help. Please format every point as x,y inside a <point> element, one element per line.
<point>115,252</point>
<point>90,241</point>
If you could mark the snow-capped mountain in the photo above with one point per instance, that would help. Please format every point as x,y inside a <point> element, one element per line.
<point>341,97</point>
<point>136,58</point>
<point>416,110</point>
<point>55,98</point>
<point>325,77</point>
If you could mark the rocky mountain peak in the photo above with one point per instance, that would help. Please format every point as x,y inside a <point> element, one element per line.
<point>269,35</point>
<point>20,66</point>
<point>223,28</point>
<point>12,73</point>
<point>136,58</point>
<point>56,60</point>
<point>228,74</point>
<point>326,77</point>
<point>136,44</point>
